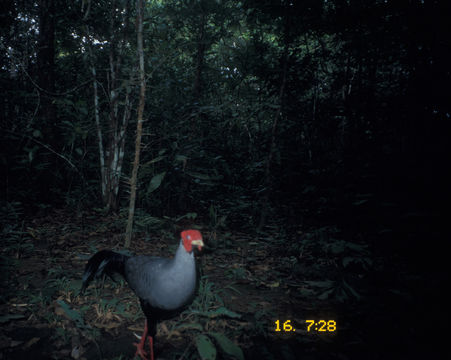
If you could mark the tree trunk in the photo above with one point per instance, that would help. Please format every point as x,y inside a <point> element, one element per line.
<point>111,153</point>
<point>139,125</point>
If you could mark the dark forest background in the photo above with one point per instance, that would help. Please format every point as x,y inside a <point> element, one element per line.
<point>317,129</point>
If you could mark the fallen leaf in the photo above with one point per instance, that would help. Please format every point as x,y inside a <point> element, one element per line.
<point>164,328</point>
<point>175,333</point>
<point>108,326</point>
<point>59,311</point>
<point>15,343</point>
<point>31,342</point>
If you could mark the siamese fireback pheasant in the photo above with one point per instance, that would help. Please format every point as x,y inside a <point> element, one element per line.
<point>162,285</point>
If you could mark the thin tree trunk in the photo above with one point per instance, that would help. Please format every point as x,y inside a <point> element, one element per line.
<point>111,152</point>
<point>99,132</point>
<point>103,178</point>
<point>111,149</point>
<point>139,126</point>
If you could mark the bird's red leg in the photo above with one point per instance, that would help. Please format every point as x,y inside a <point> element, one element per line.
<point>151,347</point>
<point>140,346</point>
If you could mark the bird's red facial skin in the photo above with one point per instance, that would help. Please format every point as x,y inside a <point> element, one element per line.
<point>188,236</point>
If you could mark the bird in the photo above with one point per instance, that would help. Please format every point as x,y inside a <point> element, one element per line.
<point>164,286</point>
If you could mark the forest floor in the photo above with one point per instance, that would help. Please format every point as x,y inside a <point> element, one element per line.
<point>249,288</point>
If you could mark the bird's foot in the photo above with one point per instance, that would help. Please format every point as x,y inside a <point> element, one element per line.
<point>140,350</point>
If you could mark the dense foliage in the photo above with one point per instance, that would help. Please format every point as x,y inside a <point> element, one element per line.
<point>309,140</point>
<point>250,105</point>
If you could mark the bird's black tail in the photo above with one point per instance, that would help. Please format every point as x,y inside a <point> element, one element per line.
<point>104,262</point>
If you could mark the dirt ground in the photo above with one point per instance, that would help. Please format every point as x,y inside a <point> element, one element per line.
<point>258,285</point>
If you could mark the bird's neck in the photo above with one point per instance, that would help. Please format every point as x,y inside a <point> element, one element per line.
<point>182,257</point>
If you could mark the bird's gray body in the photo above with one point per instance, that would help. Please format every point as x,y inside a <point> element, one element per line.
<point>166,284</point>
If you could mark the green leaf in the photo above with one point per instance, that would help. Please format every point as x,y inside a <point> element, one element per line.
<point>37,133</point>
<point>74,285</point>
<point>83,109</point>
<point>200,176</point>
<point>351,290</point>
<point>228,346</point>
<point>181,158</point>
<point>64,101</point>
<point>341,295</point>
<point>190,215</point>
<point>154,160</point>
<point>205,347</point>
<point>357,247</point>
<point>72,314</point>
<point>156,182</point>
<point>309,189</point>
<point>347,260</point>
<point>306,292</point>
<point>222,311</point>
<point>337,247</point>
<point>325,294</point>
<point>321,284</point>
<point>8,317</point>
<point>192,326</point>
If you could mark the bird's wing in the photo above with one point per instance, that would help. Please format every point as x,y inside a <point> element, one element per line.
<point>142,273</point>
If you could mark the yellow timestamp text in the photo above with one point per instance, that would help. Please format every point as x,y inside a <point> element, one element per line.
<point>312,325</point>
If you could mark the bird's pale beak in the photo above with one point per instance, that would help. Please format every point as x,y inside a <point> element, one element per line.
<point>199,242</point>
